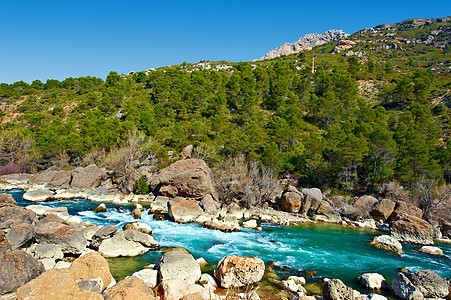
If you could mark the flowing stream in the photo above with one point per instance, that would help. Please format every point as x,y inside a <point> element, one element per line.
<point>334,251</point>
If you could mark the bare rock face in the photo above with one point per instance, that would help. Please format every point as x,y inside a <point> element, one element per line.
<point>430,284</point>
<point>387,242</point>
<point>382,210</point>
<point>404,289</point>
<point>307,42</point>
<point>88,177</point>
<point>130,288</point>
<point>64,236</point>
<point>335,289</point>
<point>178,265</point>
<point>7,200</point>
<point>183,210</point>
<point>187,178</point>
<point>413,230</point>
<point>17,268</point>
<point>237,271</point>
<point>91,265</point>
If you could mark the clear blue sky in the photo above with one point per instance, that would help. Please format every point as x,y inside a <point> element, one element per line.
<point>60,39</point>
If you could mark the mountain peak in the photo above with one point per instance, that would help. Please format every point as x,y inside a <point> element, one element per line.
<point>307,42</point>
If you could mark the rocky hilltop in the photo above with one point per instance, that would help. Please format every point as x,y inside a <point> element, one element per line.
<point>307,42</point>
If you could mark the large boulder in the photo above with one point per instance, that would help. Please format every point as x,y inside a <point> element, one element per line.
<point>130,288</point>
<point>149,276</point>
<point>413,230</point>
<point>387,242</point>
<point>91,265</point>
<point>228,224</point>
<point>183,210</point>
<point>210,205</point>
<point>237,271</point>
<point>431,250</point>
<point>55,284</point>
<point>179,289</point>
<point>16,213</point>
<point>430,284</point>
<point>42,210</point>
<point>102,233</point>
<point>187,178</point>
<point>42,251</point>
<point>405,289</point>
<point>382,210</point>
<point>17,268</point>
<point>88,177</point>
<point>362,207</point>
<point>38,195</point>
<point>20,235</point>
<point>53,176</point>
<point>64,236</point>
<point>373,281</point>
<point>313,193</point>
<point>291,200</point>
<point>404,208</point>
<point>7,200</point>
<point>178,265</point>
<point>138,226</point>
<point>127,243</point>
<point>335,289</point>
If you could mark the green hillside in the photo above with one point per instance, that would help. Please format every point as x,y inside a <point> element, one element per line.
<point>376,114</point>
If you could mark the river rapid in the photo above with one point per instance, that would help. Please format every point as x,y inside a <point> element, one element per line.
<point>334,251</point>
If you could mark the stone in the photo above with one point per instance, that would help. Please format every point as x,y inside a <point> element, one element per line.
<point>7,200</point>
<point>20,235</point>
<point>209,205</point>
<point>16,213</point>
<point>138,226</point>
<point>364,205</point>
<point>38,195</point>
<point>139,237</point>
<point>130,288</point>
<point>237,271</point>
<point>431,250</point>
<point>53,176</point>
<point>207,280</point>
<point>68,239</point>
<point>93,284</point>
<point>297,279</point>
<point>405,289</point>
<point>187,152</point>
<point>40,251</point>
<point>291,201</point>
<point>159,205</point>
<point>183,210</point>
<point>17,268</point>
<point>150,277</point>
<point>227,224</point>
<point>404,208</point>
<point>100,208</point>
<point>177,265</point>
<point>89,177</point>
<point>136,213</point>
<point>291,286</point>
<point>49,263</point>
<point>179,289</point>
<point>102,233</point>
<point>313,193</point>
<point>373,297</point>
<point>372,281</point>
<point>42,210</point>
<point>74,220</point>
<point>62,265</point>
<point>335,289</point>
<point>188,178</point>
<point>382,210</point>
<point>91,265</point>
<point>54,284</point>
<point>387,242</point>
<point>411,229</point>
<point>250,224</point>
<point>127,243</point>
<point>430,284</point>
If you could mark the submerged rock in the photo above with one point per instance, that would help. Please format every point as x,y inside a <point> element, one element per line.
<point>237,271</point>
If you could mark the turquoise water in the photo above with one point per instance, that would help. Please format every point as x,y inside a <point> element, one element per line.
<point>333,251</point>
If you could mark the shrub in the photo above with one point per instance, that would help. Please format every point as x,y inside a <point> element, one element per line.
<point>141,185</point>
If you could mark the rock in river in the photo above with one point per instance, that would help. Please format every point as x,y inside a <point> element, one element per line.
<point>237,271</point>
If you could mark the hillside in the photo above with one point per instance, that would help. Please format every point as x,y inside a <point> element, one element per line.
<point>375,109</point>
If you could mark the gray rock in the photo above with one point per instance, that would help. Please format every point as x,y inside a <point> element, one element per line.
<point>405,289</point>
<point>373,281</point>
<point>38,195</point>
<point>89,177</point>
<point>42,210</point>
<point>335,289</point>
<point>183,210</point>
<point>40,251</point>
<point>93,285</point>
<point>387,242</point>
<point>430,284</point>
<point>150,277</point>
<point>17,268</point>
<point>411,229</point>
<point>209,205</point>
<point>102,233</point>
<point>313,193</point>
<point>68,239</point>
<point>139,237</point>
<point>237,271</point>
<point>431,250</point>
<point>16,213</point>
<point>7,200</point>
<point>180,266</point>
<point>138,226</point>
<point>20,235</point>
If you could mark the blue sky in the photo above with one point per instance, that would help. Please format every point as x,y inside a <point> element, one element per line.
<point>60,39</point>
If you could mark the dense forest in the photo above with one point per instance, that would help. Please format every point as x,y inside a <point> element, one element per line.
<point>345,119</point>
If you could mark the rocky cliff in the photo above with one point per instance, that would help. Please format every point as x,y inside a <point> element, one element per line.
<point>307,42</point>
